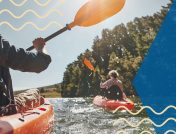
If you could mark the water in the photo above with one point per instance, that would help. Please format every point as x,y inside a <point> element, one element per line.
<point>80,116</point>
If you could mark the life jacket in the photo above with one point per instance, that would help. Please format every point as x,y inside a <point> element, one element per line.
<point>114,93</point>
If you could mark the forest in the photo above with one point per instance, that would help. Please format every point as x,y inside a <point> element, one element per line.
<point>123,49</point>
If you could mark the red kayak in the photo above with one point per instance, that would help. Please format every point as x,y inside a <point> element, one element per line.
<point>37,121</point>
<point>112,104</point>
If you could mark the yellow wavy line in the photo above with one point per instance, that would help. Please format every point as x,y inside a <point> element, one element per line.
<point>142,121</point>
<point>146,132</point>
<point>124,132</point>
<point>30,23</point>
<point>31,11</point>
<point>36,1</point>
<point>170,131</point>
<point>145,107</point>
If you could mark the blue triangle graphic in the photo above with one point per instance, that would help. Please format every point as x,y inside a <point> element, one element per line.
<point>156,80</point>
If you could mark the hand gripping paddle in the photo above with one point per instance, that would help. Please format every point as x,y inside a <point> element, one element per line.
<point>91,13</point>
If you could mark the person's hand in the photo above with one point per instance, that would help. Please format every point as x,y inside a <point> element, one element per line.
<point>103,79</point>
<point>39,44</point>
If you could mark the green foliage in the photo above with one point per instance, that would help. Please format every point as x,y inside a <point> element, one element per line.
<point>123,48</point>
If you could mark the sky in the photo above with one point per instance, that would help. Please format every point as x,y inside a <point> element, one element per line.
<point>65,48</point>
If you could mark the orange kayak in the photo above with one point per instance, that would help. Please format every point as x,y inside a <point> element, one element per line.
<point>112,104</point>
<point>37,121</point>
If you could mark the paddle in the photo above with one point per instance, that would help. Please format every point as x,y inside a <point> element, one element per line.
<point>91,13</point>
<point>89,65</point>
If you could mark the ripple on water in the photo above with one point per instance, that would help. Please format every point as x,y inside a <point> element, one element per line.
<point>80,116</point>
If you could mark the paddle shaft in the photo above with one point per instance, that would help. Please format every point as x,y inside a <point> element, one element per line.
<point>99,76</point>
<point>85,18</point>
<point>52,36</point>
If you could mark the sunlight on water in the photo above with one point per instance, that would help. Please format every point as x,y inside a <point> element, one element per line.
<point>80,116</point>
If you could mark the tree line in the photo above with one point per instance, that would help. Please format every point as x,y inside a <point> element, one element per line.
<point>123,49</point>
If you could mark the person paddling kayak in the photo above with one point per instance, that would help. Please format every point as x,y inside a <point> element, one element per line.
<point>18,59</point>
<point>113,87</point>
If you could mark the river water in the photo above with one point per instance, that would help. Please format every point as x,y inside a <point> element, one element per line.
<point>80,116</point>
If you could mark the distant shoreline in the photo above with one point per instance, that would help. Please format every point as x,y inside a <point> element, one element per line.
<point>52,91</point>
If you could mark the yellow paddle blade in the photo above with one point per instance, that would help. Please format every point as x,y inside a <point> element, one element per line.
<point>96,11</point>
<point>89,64</point>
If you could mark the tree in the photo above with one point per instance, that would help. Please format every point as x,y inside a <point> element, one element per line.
<point>123,48</point>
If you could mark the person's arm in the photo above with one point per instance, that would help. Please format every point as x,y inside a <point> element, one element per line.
<point>121,88</point>
<point>19,59</point>
<point>106,84</point>
<point>119,83</point>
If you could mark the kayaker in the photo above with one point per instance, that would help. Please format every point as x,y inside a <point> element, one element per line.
<point>18,59</point>
<point>113,87</point>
